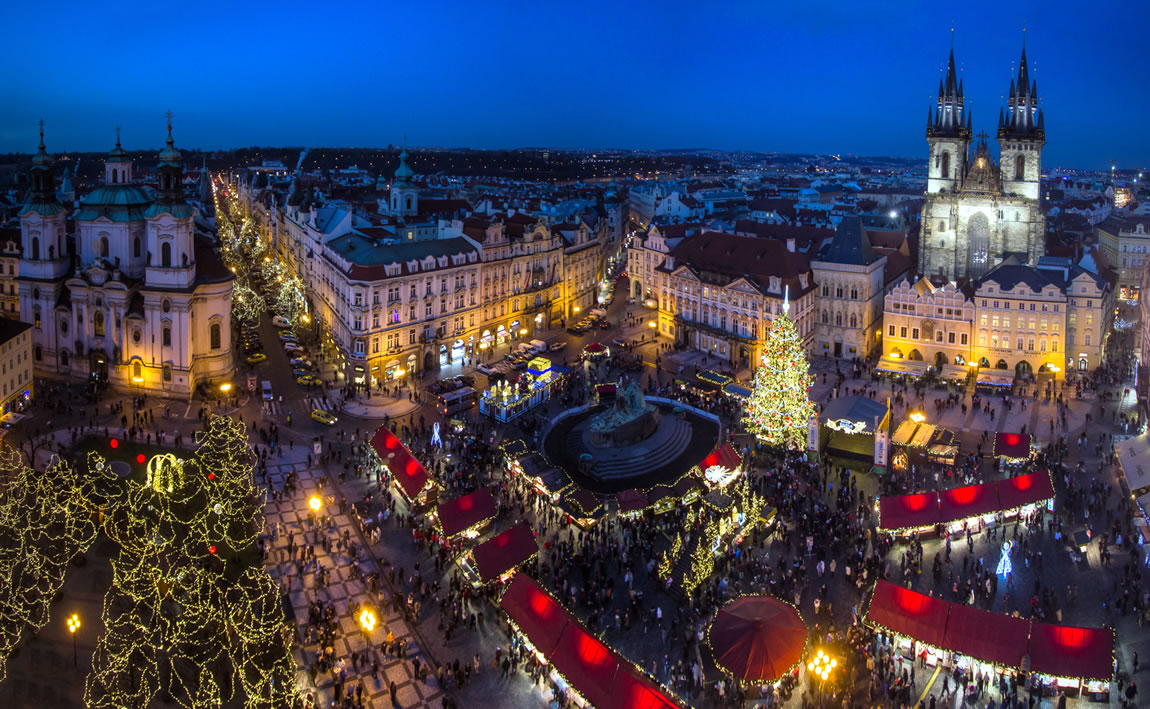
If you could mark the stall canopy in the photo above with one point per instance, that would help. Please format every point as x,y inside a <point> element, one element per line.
<point>1134,457</point>
<point>463,513</point>
<point>953,371</point>
<point>535,613</point>
<point>908,613</point>
<point>970,501</point>
<point>408,472</point>
<point>995,377</point>
<point>1011,445</point>
<point>631,501</point>
<point>737,390</point>
<point>504,552</point>
<point>991,637</point>
<point>1024,490</point>
<point>587,664</point>
<point>714,378</point>
<point>905,511</point>
<point>1064,651</point>
<point>584,502</point>
<point>909,367</point>
<point>724,455</point>
<point>757,638</point>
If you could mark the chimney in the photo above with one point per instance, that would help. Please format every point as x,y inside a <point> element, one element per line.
<point>791,245</point>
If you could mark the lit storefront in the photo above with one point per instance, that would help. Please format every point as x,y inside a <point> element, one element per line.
<point>954,509</point>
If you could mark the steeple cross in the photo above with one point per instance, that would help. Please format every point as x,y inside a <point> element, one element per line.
<point>169,117</point>
<point>117,136</point>
<point>41,130</point>
<point>982,135</point>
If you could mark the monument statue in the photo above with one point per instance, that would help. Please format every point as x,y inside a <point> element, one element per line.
<point>631,419</point>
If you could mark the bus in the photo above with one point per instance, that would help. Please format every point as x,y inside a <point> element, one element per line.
<point>455,401</point>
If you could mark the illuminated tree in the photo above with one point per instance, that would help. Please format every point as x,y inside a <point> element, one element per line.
<point>780,407</point>
<point>247,305</point>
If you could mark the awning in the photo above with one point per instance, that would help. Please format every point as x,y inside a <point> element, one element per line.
<point>631,501</point>
<point>1065,651</point>
<point>463,513</point>
<point>408,471</point>
<point>504,552</point>
<point>995,377</point>
<point>908,511</point>
<point>1024,490</point>
<point>534,612</point>
<point>991,637</point>
<point>970,501</point>
<point>956,372</point>
<point>736,390</point>
<point>909,367</point>
<point>908,613</point>
<point>1012,445</point>
<point>1134,458</point>
<point>588,665</point>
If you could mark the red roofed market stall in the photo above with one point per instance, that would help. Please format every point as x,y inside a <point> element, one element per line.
<point>1061,658</point>
<point>921,512</point>
<point>503,553</point>
<point>465,514</point>
<point>407,472</point>
<point>598,676</point>
<point>757,639</point>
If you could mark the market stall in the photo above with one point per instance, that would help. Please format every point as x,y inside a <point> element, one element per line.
<point>500,556</point>
<point>583,507</point>
<point>721,466</point>
<point>954,372</point>
<point>901,367</point>
<point>1061,658</point>
<point>921,443</point>
<point>466,516</point>
<point>506,400</point>
<point>924,512</point>
<point>544,478</point>
<point>1134,463</point>
<point>848,425</point>
<point>1012,450</point>
<point>737,390</point>
<point>407,473</point>
<point>994,379</point>
<point>631,502</point>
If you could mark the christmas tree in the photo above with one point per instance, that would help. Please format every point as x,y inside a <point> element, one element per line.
<point>780,406</point>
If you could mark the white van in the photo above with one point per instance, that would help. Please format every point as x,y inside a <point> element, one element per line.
<point>539,346</point>
<point>267,389</point>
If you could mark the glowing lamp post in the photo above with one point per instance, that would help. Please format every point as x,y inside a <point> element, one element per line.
<point>73,626</point>
<point>917,416</point>
<point>821,665</point>
<point>314,503</point>
<point>367,621</point>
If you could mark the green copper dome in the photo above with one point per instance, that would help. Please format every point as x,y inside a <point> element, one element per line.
<point>120,203</point>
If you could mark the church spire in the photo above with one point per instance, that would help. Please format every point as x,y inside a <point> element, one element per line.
<point>43,188</point>
<point>950,115</point>
<point>403,173</point>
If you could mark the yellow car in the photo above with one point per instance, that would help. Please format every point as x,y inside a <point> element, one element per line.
<point>307,380</point>
<point>323,416</point>
<point>256,358</point>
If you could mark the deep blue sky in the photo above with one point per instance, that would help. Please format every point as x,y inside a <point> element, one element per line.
<point>851,77</point>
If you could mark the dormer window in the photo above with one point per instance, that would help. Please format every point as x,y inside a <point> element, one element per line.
<point>776,285</point>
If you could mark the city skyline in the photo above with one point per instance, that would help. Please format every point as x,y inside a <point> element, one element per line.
<point>846,80</point>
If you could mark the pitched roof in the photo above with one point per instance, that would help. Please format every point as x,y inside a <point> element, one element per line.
<point>11,328</point>
<point>720,258</point>
<point>850,245</point>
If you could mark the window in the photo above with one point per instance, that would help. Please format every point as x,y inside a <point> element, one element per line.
<point>166,305</point>
<point>136,250</point>
<point>839,321</point>
<point>891,327</point>
<point>950,338</point>
<point>166,255</point>
<point>215,336</point>
<point>97,323</point>
<point>1020,167</point>
<point>167,372</point>
<point>411,337</point>
<point>1030,345</point>
<point>944,167</point>
<point>902,331</point>
<point>938,336</point>
<point>104,246</point>
<point>137,370</point>
<point>394,316</point>
<point>167,337</point>
<point>1086,339</point>
<point>839,292</point>
<point>35,248</point>
<point>826,319</point>
<point>1019,348</point>
<point>914,333</point>
<point>854,320</point>
<point>962,339</point>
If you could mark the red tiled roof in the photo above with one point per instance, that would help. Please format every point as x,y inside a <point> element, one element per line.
<point>745,256</point>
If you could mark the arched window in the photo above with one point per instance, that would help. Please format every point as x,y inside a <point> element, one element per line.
<point>137,370</point>
<point>944,170</point>
<point>136,247</point>
<point>104,246</point>
<point>1020,167</point>
<point>215,335</point>
<point>826,317</point>
<point>63,358</point>
<point>839,319</point>
<point>854,320</point>
<point>839,292</point>
<point>98,323</point>
<point>166,255</point>
<point>854,293</point>
<point>35,248</point>
<point>408,203</point>
<point>167,337</point>
<point>115,176</point>
<point>941,225</point>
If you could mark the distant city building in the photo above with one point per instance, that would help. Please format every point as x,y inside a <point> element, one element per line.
<point>1125,242</point>
<point>15,365</point>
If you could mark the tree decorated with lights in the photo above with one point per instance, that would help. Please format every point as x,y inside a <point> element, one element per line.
<point>780,407</point>
<point>247,305</point>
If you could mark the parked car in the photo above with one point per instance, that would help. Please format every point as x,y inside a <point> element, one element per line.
<point>603,324</point>
<point>288,336</point>
<point>487,369</point>
<point>325,417</point>
<point>307,380</point>
<point>292,348</point>
<point>300,372</point>
<point>576,330</point>
<point>301,362</point>
<point>619,341</point>
<point>519,365</point>
<point>280,321</point>
<point>556,346</point>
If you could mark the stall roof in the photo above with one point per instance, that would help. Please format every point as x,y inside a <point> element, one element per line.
<point>587,664</point>
<point>738,390</point>
<point>1134,457</point>
<point>635,693</point>
<point>856,409</point>
<point>909,367</point>
<point>905,511</point>
<point>584,501</point>
<point>904,433</point>
<point>1011,445</point>
<point>463,513</point>
<point>514,448</point>
<point>504,552</point>
<point>991,637</point>
<point>960,502</point>
<point>908,613</point>
<point>535,612</point>
<point>408,472</point>
<point>953,371</point>
<point>995,377</point>
<point>1024,490</point>
<point>724,455</point>
<point>631,500</point>
<point>923,435</point>
<point>1065,651</point>
<point>712,377</point>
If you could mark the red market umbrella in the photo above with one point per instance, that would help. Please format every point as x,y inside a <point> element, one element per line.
<point>757,638</point>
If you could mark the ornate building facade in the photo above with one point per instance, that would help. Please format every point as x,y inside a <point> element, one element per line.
<point>978,210</point>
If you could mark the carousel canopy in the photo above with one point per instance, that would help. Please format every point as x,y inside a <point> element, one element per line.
<point>463,513</point>
<point>757,638</point>
<point>504,552</point>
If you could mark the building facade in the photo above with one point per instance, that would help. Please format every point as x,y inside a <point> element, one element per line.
<point>143,302</point>
<point>15,365</point>
<point>976,210</point>
<point>850,278</point>
<point>928,323</point>
<point>1125,242</point>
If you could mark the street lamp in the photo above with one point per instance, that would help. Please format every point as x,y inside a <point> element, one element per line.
<point>225,387</point>
<point>821,665</point>
<point>73,626</point>
<point>917,416</point>
<point>367,621</point>
<point>315,503</point>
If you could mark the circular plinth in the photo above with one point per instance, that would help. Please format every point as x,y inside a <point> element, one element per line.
<point>680,439</point>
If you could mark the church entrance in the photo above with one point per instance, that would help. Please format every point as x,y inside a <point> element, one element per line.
<point>978,239</point>
<point>98,366</point>
<point>838,349</point>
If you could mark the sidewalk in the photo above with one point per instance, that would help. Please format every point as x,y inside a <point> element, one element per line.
<point>379,406</point>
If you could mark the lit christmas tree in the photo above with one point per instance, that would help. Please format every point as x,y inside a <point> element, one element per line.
<point>780,405</point>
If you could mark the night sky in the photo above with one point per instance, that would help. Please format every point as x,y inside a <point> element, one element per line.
<point>847,77</point>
